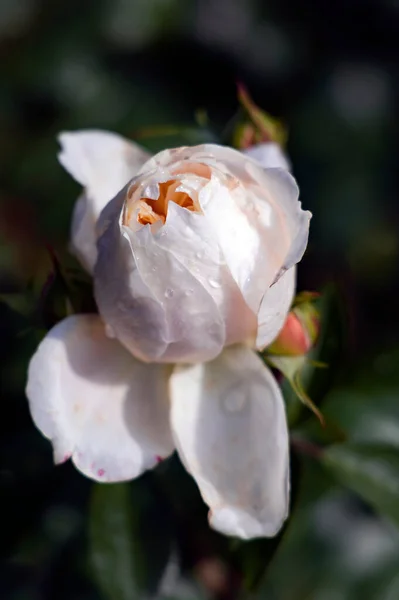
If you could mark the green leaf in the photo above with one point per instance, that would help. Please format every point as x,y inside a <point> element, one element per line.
<point>18,302</point>
<point>112,549</point>
<point>370,417</point>
<point>331,549</point>
<point>371,471</point>
<point>130,538</point>
<point>365,410</point>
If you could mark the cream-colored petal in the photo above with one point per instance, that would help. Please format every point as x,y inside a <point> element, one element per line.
<point>132,312</point>
<point>96,403</point>
<point>229,425</point>
<point>274,308</point>
<point>251,252</point>
<point>195,328</point>
<point>262,216</point>
<point>155,306</point>
<point>281,190</point>
<point>185,236</point>
<point>269,155</point>
<point>102,162</point>
<point>277,192</point>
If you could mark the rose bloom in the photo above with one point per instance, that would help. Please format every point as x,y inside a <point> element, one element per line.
<point>193,255</point>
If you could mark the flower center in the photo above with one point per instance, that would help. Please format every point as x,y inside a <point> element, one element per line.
<point>155,210</point>
<point>186,179</point>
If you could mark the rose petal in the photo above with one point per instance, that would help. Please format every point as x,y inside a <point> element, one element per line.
<point>156,307</point>
<point>269,155</point>
<point>229,425</point>
<point>96,403</point>
<point>281,189</point>
<point>277,190</point>
<point>263,217</point>
<point>274,308</point>
<point>252,255</point>
<point>103,163</point>
<point>195,329</point>
<point>127,305</point>
<point>186,236</point>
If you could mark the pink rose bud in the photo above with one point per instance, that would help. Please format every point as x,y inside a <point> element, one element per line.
<point>299,333</point>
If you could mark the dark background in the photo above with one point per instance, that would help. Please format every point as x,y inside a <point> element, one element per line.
<point>329,70</point>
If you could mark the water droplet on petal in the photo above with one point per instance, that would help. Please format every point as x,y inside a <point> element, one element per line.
<point>169,293</point>
<point>198,255</point>
<point>235,398</point>
<point>188,292</point>
<point>214,283</point>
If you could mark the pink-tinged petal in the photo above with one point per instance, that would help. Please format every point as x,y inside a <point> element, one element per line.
<point>249,253</point>
<point>274,308</point>
<point>269,155</point>
<point>149,294</point>
<point>102,162</point>
<point>281,191</point>
<point>229,425</point>
<point>186,236</point>
<point>96,403</point>
<point>261,213</point>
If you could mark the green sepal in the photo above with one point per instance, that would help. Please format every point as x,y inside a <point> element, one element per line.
<point>258,124</point>
<point>291,367</point>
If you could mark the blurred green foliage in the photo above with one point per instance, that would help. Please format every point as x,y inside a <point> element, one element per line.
<point>144,69</point>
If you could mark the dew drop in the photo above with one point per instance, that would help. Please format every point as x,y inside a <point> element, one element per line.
<point>169,293</point>
<point>235,399</point>
<point>188,292</point>
<point>198,255</point>
<point>214,283</point>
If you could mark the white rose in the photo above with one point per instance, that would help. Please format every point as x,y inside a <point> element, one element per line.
<point>195,264</point>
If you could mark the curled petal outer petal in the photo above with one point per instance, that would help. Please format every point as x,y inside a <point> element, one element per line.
<point>282,186</point>
<point>274,308</point>
<point>127,305</point>
<point>96,403</point>
<point>186,236</point>
<point>148,296</point>
<point>270,155</point>
<point>102,162</point>
<point>83,233</point>
<point>253,212</point>
<point>272,208</point>
<point>229,425</point>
